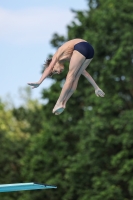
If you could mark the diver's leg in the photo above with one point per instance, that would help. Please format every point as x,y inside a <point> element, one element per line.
<point>76,62</point>
<point>74,86</point>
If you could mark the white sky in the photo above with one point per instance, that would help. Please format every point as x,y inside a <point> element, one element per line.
<point>26,27</point>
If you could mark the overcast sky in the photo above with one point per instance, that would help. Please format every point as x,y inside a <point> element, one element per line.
<point>26,28</point>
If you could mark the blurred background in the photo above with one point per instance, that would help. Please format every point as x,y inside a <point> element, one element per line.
<point>87,151</point>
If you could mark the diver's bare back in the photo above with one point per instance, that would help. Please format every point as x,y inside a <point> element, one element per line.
<point>65,51</point>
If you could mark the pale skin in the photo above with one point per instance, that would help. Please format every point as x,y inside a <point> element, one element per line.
<point>77,67</point>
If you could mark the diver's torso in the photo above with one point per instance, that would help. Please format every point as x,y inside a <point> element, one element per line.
<point>65,51</point>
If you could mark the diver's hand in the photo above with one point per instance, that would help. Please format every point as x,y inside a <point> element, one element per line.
<point>34,85</point>
<point>99,92</point>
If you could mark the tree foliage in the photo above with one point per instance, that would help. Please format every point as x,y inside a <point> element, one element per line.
<point>12,148</point>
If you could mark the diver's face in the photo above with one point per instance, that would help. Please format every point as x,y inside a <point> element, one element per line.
<point>58,68</point>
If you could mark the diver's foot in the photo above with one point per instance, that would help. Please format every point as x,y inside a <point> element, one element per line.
<point>58,110</point>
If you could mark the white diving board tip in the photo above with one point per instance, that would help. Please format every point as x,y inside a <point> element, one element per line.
<point>24,186</point>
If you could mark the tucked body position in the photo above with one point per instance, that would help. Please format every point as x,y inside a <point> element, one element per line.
<point>79,53</point>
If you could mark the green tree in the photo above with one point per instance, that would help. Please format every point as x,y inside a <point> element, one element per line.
<point>12,147</point>
<point>30,112</point>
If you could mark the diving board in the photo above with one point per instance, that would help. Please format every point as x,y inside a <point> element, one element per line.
<point>24,186</point>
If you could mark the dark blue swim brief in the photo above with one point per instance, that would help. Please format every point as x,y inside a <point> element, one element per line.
<point>85,49</point>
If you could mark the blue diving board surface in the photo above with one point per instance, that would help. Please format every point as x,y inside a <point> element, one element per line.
<point>24,186</point>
